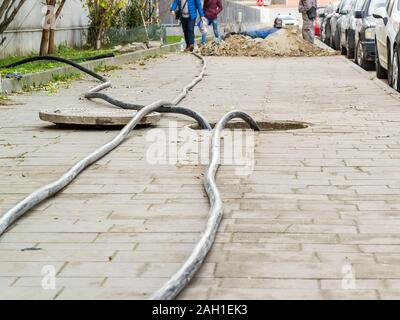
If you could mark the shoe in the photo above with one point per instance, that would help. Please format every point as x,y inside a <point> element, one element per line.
<point>191,48</point>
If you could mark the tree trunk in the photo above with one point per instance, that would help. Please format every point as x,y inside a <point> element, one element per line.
<point>45,34</point>
<point>99,35</point>
<point>145,28</point>
<point>52,47</point>
<point>97,44</point>
<point>51,41</point>
<point>44,42</point>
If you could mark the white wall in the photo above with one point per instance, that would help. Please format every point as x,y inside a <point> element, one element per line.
<point>24,33</point>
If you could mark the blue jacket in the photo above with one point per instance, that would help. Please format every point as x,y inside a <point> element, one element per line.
<point>193,6</point>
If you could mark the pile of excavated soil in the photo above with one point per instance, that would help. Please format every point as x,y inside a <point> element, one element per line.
<point>283,43</point>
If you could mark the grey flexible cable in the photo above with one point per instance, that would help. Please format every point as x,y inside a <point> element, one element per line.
<point>193,263</point>
<point>95,92</point>
<point>50,189</point>
<point>170,108</point>
<point>185,273</point>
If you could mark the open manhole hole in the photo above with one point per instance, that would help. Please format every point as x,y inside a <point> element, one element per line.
<point>264,125</point>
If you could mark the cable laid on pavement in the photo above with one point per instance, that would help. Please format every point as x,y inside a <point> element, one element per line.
<point>188,269</point>
<point>182,277</point>
<point>58,59</point>
<point>50,189</point>
<point>168,107</point>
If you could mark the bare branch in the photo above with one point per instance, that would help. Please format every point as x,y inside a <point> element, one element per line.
<point>3,7</point>
<point>8,11</point>
<point>60,7</point>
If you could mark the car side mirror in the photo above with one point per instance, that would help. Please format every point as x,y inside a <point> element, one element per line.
<point>358,14</point>
<point>385,20</point>
<point>380,13</point>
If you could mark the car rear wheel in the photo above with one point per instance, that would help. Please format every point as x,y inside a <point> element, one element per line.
<point>389,71</point>
<point>336,40</point>
<point>381,73</point>
<point>331,42</point>
<point>349,51</point>
<point>327,36</point>
<point>359,58</point>
<point>395,71</point>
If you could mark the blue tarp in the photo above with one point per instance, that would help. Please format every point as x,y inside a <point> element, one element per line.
<point>262,33</point>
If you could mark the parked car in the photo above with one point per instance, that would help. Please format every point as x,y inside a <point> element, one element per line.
<point>288,20</point>
<point>342,24</point>
<point>335,25</point>
<point>318,20</point>
<point>395,65</point>
<point>364,36</point>
<point>317,28</point>
<point>386,36</point>
<point>347,30</point>
<point>325,24</point>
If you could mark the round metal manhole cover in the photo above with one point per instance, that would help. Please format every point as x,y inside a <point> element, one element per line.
<point>95,117</point>
<point>264,125</point>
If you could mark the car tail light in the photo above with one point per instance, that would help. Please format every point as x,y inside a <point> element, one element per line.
<point>317,29</point>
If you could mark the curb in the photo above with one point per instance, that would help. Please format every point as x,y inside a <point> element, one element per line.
<point>322,45</point>
<point>40,78</point>
<point>384,86</point>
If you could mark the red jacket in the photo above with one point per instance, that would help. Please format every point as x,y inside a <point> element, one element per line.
<point>212,8</point>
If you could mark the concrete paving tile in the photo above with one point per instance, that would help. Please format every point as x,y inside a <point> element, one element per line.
<point>318,198</point>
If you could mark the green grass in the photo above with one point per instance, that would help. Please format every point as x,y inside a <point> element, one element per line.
<point>59,80</point>
<point>38,66</point>
<point>3,99</point>
<point>106,68</point>
<point>65,77</point>
<point>176,39</point>
<point>173,39</point>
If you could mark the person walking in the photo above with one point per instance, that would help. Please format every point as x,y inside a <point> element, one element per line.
<point>212,8</point>
<point>186,11</point>
<point>308,9</point>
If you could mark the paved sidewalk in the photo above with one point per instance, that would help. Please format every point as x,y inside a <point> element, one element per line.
<point>321,200</point>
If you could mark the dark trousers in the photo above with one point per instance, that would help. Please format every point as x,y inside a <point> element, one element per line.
<point>188,30</point>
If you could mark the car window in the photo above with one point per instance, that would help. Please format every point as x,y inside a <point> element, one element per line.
<point>355,4</point>
<point>359,5</point>
<point>347,5</point>
<point>343,5</point>
<point>366,5</point>
<point>390,8</point>
<point>387,5</point>
<point>350,7</point>
<point>375,4</point>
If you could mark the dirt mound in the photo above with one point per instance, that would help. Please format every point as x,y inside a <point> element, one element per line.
<point>283,43</point>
